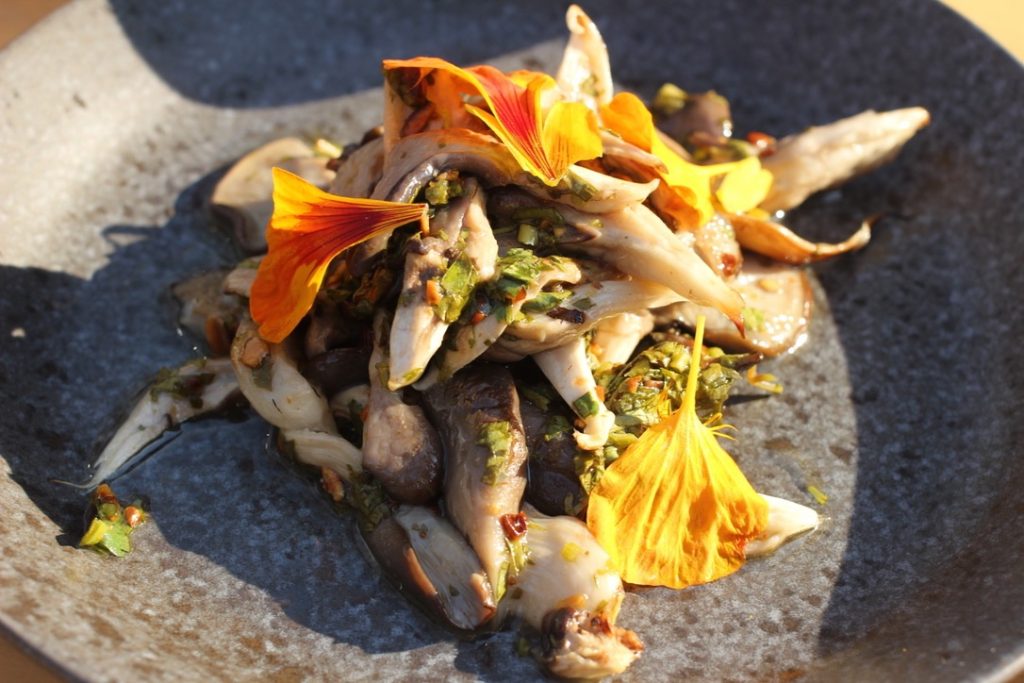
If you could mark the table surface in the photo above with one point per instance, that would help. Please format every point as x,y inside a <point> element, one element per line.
<point>1003,20</point>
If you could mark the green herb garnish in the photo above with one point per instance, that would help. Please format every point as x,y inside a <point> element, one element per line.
<point>111,525</point>
<point>444,188</point>
<point>457,285</point>
<point>587,405</point>
<point>497,436</point>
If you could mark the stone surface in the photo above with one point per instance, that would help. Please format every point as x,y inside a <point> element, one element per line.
<point>903,407</point>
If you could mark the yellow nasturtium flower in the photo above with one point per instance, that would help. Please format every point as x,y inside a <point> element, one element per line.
<point>744,184</point>
<point>674,509</point>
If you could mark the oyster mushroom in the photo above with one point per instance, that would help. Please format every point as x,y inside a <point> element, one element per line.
<point>359,170</point>
<point>568,592</point>
<point>242,198</point>
<point>615,338</point>
<point>207,311</point>
<point>778,308</point>
<point>637,242</point>
<point>196,388</point>
<point>419,325</point>
<point>579,645</point>
<point>269,378</point>
<point>778,242</point>
<point>568,370</point>
<point>589,304</point>
<point>553,486</point>
<point>400,447</point>
<point>324,450</point>
<point>477,415</point>
<point>585,72</point>
<point>825,156</point>
<point>239,279</point>
<point>473,339</point>
<point>702,119</point>
<point>463,590</point>
<point>786,520</point>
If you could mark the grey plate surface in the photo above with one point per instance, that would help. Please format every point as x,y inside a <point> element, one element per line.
<point>904,407</point>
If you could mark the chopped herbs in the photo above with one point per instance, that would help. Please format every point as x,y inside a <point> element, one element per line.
<point>580,188</point>
<point>497,436</point>
<point>521,265</point>
<point>111,525</point>
<point>587,405</point>
<point>541,216</point>
<point>544,302</point>
<point>183,387</point>
<point>518,556</point>
<point>444,188</point>
<point>527,234</point>
<point>650,387</point>
<point>589,467</point>
<point>584,303</point>
<point>369,500</point>
<point>457,285</point>
<point>540,395</point>
<point>514,272</point>
<point>371,290</point>
<point>555,426</point>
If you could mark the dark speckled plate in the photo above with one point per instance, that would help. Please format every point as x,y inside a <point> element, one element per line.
<point>904,408</point>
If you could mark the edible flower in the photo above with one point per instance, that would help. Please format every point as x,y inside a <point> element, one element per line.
<point>674,509</point>
<point>545,140</point>
<point>308,229</point>
<point>691,201</point>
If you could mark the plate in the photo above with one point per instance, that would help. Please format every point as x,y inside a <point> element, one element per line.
<point>903,407</point>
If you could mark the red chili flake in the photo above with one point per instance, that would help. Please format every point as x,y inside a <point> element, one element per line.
<point>133,516</point>
<point>514,525</point>
<point>730,265</point>
<point>764,143</point>
<point>105,494</point>
<point>478,317</point>
<point>599,390</point>
<point>217,336</point>
<point>332,484</point>
<point>432,292</point>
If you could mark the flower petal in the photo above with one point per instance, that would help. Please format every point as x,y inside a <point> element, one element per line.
<point>674,509</point>
<point>543,145</point>
<point>570,134</point>
<point>308,229</point>
<point>744,186</point>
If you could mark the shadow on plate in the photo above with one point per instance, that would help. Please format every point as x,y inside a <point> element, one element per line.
<point>185,43</point>
<point>216,491</point>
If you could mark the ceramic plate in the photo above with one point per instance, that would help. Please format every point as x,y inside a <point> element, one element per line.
<point>904,407</point>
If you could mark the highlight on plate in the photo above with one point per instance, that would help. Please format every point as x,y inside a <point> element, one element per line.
<point>503,328</point>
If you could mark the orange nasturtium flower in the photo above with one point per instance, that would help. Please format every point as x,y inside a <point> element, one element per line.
<point>308,229</point>
<point>674,509</point>
<point>744,183</point>
<point>545,140</point>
